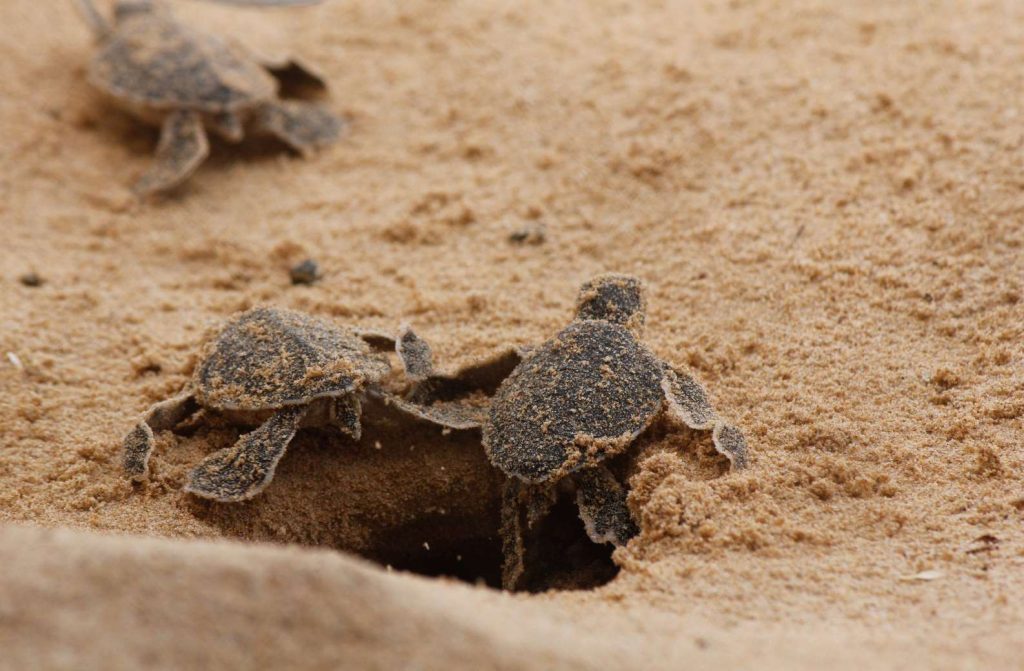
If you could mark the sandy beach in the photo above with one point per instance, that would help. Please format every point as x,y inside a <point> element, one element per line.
<point>825,202</point>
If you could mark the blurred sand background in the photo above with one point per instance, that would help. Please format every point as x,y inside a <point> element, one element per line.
<point>826,200</point>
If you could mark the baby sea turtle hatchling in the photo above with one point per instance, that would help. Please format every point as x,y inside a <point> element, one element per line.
<point>577,400</point>
<point>275,369</point>
<point>184,81</point>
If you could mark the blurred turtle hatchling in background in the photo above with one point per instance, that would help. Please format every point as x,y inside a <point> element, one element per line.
<point>185,81</point>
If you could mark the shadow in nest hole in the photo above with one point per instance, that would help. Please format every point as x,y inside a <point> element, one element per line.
<point>410,497</point>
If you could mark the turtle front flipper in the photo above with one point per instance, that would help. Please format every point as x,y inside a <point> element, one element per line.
<point>513,541</point>
<point>602,503</point>
<point>444,398</point>
<point>243,470</point>
<point>523,507</point>
<point>183,147</point>
<point>689,404</point>
<point>347,413</point>
<point>138,444</point>
<point>305,127</point>
<point>415,353</point>
<point>687,400</point>
<point>483,376</point>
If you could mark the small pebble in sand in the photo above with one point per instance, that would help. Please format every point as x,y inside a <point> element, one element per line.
<point>923,576</point>
<point>15,361</point>
<point>306,272</point>
<point>534,234</point>
<point>31,280</point>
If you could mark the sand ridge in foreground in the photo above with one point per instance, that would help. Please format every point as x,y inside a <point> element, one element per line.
<point>113,602</point>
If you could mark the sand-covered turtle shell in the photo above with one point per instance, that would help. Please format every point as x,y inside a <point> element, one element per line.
<point>579,398</point>
<point>153,61</point>
<point>270,358</point>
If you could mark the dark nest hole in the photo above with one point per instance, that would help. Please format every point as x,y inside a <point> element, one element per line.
<point>407,496</point>
<point>559,555</point>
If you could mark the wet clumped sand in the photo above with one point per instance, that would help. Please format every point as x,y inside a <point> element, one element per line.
<point>822,200</point>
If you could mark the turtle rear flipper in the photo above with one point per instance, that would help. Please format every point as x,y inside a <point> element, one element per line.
<point>481,376</point>
<point>138,444</point>
<point>305,127</point>
<point>183,147</point>
<point>295,75</point>
<point>242,471</point>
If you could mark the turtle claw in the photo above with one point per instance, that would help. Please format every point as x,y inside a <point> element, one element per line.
<point>242,471</point>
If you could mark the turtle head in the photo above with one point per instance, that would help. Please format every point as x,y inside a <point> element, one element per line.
<point>614,298</point>
<point>125,9</point>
